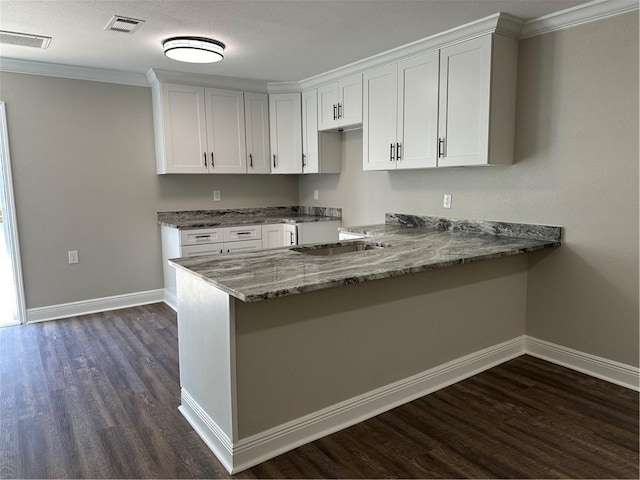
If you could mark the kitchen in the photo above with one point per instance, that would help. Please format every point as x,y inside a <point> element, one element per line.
<point>90,183</point>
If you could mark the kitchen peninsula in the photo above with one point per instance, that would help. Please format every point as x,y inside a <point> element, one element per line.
<point>283,346</point>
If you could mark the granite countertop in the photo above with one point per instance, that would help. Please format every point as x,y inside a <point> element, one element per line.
<point>189,219</point>
<point>411,244</point>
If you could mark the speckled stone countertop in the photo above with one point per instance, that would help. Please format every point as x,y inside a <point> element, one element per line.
<point>411,244</point>
<point>188,219</point>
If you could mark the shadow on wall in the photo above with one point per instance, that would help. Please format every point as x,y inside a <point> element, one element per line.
<point>573,303</point>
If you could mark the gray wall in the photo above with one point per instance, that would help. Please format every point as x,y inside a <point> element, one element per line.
<point>84,177</point>
<point>576,166</point>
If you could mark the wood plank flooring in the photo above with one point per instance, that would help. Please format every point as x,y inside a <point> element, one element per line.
<point>97,396</point>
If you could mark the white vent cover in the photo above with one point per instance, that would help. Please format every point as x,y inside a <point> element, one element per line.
<point>24,39</point>
<point>123,24</point>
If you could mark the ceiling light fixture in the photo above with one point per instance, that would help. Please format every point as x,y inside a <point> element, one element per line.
<point>194,49</point>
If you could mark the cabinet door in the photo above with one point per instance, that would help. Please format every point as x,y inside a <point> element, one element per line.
<point>417,138</point>
<point>272,236</point>
<point>310,163</point>
<point>256,117</point>
<point>350,100</point>
<point>290,233</point>
<point>465,76</point>
<point>184,129</point>
<point>379,112</point>
<point>328,106</point>
<point>285,123</point>
<point>225,131</point>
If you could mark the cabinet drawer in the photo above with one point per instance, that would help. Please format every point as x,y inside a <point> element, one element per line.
<point>202,235</point>
<point>243,246</point>
<point>200,250</point>
<point>248,232</point>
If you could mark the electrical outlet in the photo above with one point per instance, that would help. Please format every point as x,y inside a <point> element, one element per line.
<point>73,256</point>
<point>446,203</point>
<point>216,195</point>
<point>315,194</point>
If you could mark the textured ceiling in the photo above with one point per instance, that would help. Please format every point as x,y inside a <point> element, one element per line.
<point>276,40</point>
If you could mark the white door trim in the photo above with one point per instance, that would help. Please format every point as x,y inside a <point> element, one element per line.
<point>9,215</point>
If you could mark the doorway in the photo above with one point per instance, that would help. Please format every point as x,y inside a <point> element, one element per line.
<point>12,306</point>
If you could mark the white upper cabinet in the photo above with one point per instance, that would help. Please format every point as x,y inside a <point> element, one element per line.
<point>379,114</point>
<point>225,131</point>
<point>340,103</point>
<point>207,130</point>
<point>400,114</point>
<point>256,116</point>
<point>436,109</point>
<point>417,112</point>
<point>181,128</point>
<point>477,102</point>
<point>321,151</point>
<point>285,125</point>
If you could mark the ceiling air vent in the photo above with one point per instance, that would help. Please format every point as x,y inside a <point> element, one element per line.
<point>24,39</point>
<point>123,24</point>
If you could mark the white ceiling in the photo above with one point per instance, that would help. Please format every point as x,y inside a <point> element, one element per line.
<point>277,40</point>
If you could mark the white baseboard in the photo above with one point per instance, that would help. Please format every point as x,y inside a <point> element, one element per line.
<point>171,300</point>
<point>217,441</point>
<point>84,307</point>
<point>268,444</point>
<point>605,369</point>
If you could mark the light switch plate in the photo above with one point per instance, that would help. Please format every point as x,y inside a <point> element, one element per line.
<point>446,202</point>
<point>315,194</point>
<point>216,195</point>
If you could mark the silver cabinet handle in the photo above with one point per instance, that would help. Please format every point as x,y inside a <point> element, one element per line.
<point>339,110</point>
<point>440,147</point>
<point>391,152</point>
<point>397,151</point>
<point>304,164</point>
<point>335,110</point>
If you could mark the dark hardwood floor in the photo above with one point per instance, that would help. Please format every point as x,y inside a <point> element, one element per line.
<point>97,397</point>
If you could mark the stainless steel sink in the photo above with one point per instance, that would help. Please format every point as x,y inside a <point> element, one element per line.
<point>337,248</point>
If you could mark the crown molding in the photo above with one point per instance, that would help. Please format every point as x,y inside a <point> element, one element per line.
<point>15,65</point>
<point>156,75</point>
<point>501,23</point>
<point>578,15</point>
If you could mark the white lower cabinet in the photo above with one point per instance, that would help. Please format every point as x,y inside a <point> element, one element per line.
<point>279,235</point>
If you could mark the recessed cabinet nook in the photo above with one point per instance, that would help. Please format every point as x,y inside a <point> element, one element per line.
<point>445,101</point>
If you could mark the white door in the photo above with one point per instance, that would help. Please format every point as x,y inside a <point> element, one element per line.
<point>417,139</point>
<point>225,131</point>
<point>465,80</point>
<point>185,129</point>
<point>310,163</point>
<point>379,112</point>
<point>256,117</point>
<point>285,115</point>
<point>350,100</point>
<point>328,106</point>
